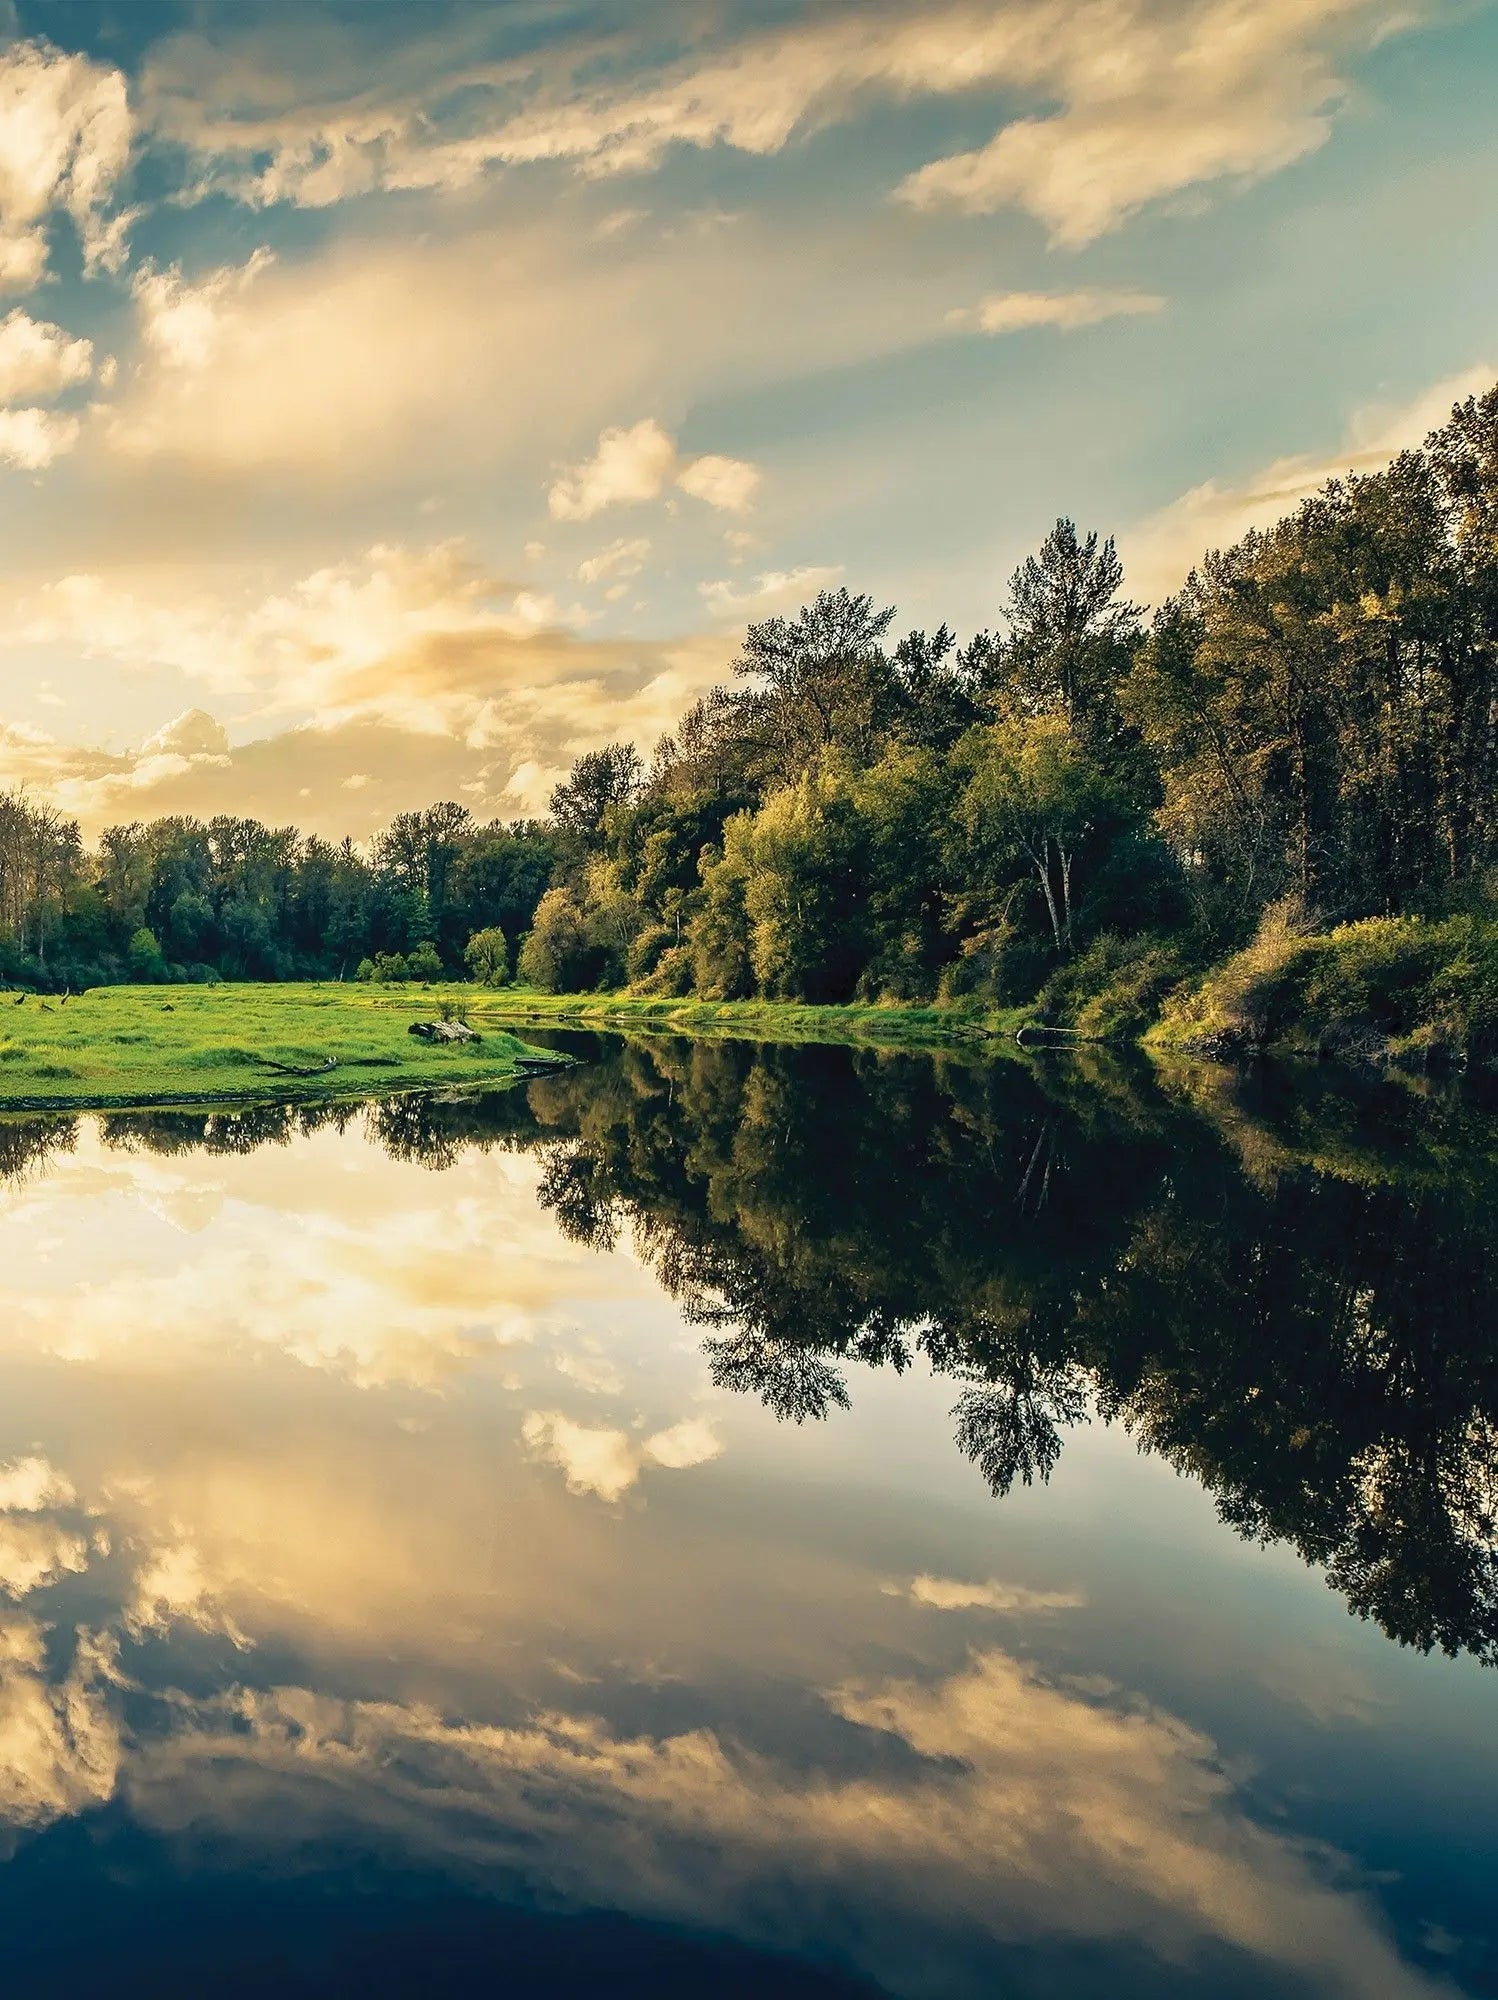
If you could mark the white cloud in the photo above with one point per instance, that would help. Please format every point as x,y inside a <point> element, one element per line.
<point>172,1586</point>
<point>31,440</point>
<point>1143,98</point>
<point>29,1485</point>
<point>1160,551</point>
<point>34,1553</point>
<point>944,1593</point>
<point>38,359</point>
<point>1019,312</point>
<point>183,321</point>
<point>595,1458</point>
<point>65,135</point>
<point>1154,99</point>
<point>773,590</point>
<point>619,560</point>
<point>628,466</point>
<point>191,734</point>
<point>639,464</point>
<point>729,484</point>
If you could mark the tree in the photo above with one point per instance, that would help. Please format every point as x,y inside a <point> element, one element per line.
<point>1032,796</point>
<point>600,781</point>
<point>817,681</point>
<point>487,956</point>
<point>425,963</point>
<point>1071,633</point>
<point>557,955</point>
<point>146,962</point>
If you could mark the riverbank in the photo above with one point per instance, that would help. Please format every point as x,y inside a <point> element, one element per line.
<point>123,1046</point>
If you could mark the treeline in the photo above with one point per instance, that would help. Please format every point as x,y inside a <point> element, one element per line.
<point>1082,805</point>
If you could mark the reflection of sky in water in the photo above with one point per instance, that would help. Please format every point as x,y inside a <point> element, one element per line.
<point>350,1505</point>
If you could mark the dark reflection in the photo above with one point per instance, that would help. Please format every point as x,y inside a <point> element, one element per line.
<point>29,1145</point>
<point>1286,1297</point>
<point>1283,1291</point>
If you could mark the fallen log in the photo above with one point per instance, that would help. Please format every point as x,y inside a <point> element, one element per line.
<point>296,1069</point>
<point>443,1031</point>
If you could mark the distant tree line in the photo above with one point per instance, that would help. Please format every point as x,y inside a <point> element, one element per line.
<point>1079,799</point>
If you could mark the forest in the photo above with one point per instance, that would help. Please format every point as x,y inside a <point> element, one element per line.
<point>1276,796</point>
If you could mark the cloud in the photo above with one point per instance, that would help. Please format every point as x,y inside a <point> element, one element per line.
<point>191,734</point>
<point>38,359</point>
<point>1019,312</point>
<point>30,1485</point>
<point>183,322</point>
<point>1141,99</point>
<point>944,1593</point>
<point>172,1587</point>
<point>628,466</point>
<point>1155,99</point>
<point>597,1459</point>
<point>639,464</point>
<point>1160,551</point>
<point>31,439</point>
<point>34,1553</point>
<point>621,559</point>
<point>65,135</point>
<point>729,484</point>
<point>773,590</point>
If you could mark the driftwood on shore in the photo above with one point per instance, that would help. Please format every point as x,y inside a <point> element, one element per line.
<point>443,1031</point>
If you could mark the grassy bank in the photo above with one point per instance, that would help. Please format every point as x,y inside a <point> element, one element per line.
<point>139,1045</point>
<point>1388,989</point>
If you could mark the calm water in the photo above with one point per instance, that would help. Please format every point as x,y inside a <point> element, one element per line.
<point>733,1522</point>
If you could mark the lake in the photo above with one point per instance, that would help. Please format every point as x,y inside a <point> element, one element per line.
<point>740,1521</point>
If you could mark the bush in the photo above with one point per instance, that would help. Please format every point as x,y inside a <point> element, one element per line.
<point>425,963</point>
<point>145,958</point>
<point>1114,990</point>
<point>1397,986</point>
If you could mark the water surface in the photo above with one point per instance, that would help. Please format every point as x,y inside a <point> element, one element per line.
<point>739,1521</point>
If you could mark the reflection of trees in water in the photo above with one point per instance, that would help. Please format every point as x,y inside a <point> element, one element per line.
<point>29,1145</point>
<point>1288,1300</point>
<point>1299,1316</point>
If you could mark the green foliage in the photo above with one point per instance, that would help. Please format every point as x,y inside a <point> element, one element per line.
<point>1397,986</point>
<point>487,956</point>
<point>557,954</point>
<point>425,963</point>
<point>144,957</point>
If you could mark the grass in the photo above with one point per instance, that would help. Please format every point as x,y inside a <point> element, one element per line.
<point>152,1045</point>
<point>1386,988</point>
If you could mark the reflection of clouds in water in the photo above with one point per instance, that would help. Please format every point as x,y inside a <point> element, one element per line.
<point>28,1485</point>
<point>60,1747</point>
<point>385,1275</point>
<point>36,1552</point>
<point>172,1585</point>
<point>1031,1814</point>
<point>596,1459</point>
<point>945,1593</point>
<point>33,1553</point>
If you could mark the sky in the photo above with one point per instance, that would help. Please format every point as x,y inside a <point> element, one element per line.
<point>400,397</point>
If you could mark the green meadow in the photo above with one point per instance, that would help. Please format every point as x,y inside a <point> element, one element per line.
<point>140,1045</point>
